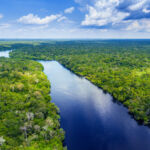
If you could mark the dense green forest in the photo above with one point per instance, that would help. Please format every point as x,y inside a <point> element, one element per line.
<point>120,67</point>
<point>28,120</point>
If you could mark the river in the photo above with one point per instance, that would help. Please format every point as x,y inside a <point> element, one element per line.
<point>90,117</point>
<point>5,53</point>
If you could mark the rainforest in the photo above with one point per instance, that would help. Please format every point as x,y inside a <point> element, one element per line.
<point>29,119</point>
<point>120,67</point>
<point>74,74</point>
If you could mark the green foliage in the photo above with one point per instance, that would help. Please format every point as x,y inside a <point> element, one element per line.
<point>121,67</point>
<point>28,120</point>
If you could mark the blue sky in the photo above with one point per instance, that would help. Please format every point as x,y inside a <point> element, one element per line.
<point>75,19</point>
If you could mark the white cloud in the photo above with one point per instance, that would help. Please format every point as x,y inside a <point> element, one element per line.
<point>104,12</point>
<point>139,25</point>
<point>137,4</point>
<point>69,10</point>
<point>62,19</point>
<point>1,16</point>
<point>145,10</point>
<point>34,19</point>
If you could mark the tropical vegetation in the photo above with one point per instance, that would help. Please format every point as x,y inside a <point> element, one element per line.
<point>28,118</point>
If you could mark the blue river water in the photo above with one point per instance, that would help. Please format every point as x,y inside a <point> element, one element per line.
<point>89,116</point>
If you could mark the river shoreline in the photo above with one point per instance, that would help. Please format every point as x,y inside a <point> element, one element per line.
<point>41,95</point>
<point>140,122</point>
<point>50,65</point>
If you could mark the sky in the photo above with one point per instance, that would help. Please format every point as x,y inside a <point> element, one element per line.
<point>104,19</point>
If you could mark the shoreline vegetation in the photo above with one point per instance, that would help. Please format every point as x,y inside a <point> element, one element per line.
<point>28,119</point>
<point>120,67</point>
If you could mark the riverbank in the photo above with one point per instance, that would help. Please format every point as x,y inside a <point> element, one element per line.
<point>89,116</point>
<point>29,120</point>
<point>106,90</point>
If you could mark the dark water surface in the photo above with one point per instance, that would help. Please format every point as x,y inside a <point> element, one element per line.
<point>91,119</point>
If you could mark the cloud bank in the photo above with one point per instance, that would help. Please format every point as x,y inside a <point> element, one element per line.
<point>118,14</point>
<point>34,19</point>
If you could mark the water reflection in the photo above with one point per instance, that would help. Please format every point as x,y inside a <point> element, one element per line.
<point>90,118</point>
<point>4,53</point>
